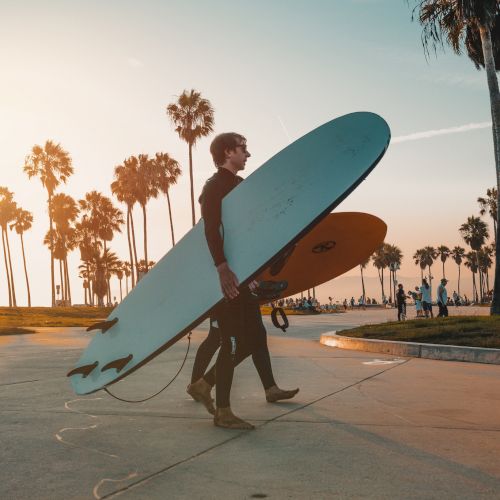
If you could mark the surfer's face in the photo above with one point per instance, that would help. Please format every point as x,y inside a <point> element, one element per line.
<point>238,156</point>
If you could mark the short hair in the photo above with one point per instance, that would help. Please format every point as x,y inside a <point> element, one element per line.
<point>222,142</point>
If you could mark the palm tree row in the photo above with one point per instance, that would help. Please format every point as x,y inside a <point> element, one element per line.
<point>474,27</point>
<point>138,180</point>
<point>14,217</point>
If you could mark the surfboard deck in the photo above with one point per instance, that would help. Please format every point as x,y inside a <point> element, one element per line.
<point>340,242</point>
<point>272,209</point>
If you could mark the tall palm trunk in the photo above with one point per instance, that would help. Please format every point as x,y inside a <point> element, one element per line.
<point>26,271</point>
<point>381,278</point>
<point>191,181</point>
<point>108,284</point>
<point>491,76</point>
<point>121,294</point>
<point>126,285</point>
<point>14,302</point>
<point>444,276</point>
<point>145,223</point>
<point>480,278</point>
<point>89,280</point>
<point>459,280</point>
<point>170,217</point>
<point>52,279</point>
<point>130,248</point>
<point>63,294</point>
<point>134,245</point>
<point>363,285</point>
<point>474,287</point>
<point>68,286</point>
<point>430,279</point>
<point>6,268</point>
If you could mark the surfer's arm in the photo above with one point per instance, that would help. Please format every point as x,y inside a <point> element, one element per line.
<point>211,211</point>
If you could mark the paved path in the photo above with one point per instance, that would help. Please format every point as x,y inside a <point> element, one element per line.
<point>362,426</point>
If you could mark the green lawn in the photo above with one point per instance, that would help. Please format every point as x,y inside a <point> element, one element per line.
<point>473,331</point>
<point>51,316</point>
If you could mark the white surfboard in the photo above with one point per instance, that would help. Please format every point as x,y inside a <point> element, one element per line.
<point>273,208</point>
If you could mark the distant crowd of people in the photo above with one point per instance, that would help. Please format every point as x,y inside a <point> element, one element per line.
<point>422,298</point>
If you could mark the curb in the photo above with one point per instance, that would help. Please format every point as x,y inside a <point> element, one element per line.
<point>413,349</point>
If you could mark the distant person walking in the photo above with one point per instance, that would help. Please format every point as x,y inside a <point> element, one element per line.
<point>442,299</point>
<point>425,290</point>
<point>417,297</point>
<point>401,302</point>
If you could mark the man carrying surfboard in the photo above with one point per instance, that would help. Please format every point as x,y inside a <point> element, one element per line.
<point>238,318</point>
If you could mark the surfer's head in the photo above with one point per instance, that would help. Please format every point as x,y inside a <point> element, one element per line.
<point>230,150</point>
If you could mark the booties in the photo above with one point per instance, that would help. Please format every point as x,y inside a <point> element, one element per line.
<point>274,394</point>
<point>200,391</point>
<point>225,418</point>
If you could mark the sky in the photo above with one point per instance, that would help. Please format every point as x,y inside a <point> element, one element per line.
<point>97,76</point>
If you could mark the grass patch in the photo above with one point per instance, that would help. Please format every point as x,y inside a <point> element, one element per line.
<point>472,331</point>
<point>51,316</point>
<point>14,331</point>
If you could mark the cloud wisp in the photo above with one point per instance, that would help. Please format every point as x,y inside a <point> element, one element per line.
<point>416,136</point>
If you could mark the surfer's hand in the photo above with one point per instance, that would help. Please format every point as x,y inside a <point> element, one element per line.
<point>253,285</point>
<point>228,281</point>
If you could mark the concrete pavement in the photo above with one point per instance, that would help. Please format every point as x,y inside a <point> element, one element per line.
<point>362,426</point>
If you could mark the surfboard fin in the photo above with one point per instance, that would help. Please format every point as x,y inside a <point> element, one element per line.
<point>104,326</point>
<point>84,370</point>
<point>119,364</point>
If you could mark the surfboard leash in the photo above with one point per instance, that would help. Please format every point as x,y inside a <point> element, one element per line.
<point>161,390</point>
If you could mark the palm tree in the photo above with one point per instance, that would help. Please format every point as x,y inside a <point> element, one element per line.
<point>484,259</point>
<point>361,267</point>
<point>428,257</point>
<point>166,172</point>
<point>104,219</point>
<point>8,209</point>
<point>193,118</point>
<point>119,273</point>
<point>458,254</point>
<point>127,270</point>
<point>475,233</point>
<point>379,260</point>
<point>22,223</point>
<point>460,23</point>
<point>471,263</point>
<point>419,261</point>
<point>52,164</point>
<point>123,187</point>
<point>145,190</point>
<point>89,248</point>
<point>490,205</point>
<point>443,252</point>
<point>394,258</point>
<point>64,211</point>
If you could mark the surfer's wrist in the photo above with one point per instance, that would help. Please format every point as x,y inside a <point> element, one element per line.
<point>223,266</point>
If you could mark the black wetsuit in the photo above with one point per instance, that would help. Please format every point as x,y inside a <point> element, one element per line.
<point>240,328</point>
<point>401,302</point>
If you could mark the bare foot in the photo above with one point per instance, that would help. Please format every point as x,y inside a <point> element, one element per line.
<point>274,394</point>
<point>200,391</point>
<point>225,418</point>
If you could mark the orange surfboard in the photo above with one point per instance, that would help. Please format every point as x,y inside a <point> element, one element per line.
<point>340,242</point>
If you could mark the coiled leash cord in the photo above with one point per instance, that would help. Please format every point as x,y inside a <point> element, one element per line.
<point>161,390</point>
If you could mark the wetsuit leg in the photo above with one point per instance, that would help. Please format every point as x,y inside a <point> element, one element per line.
<point>253,340</point>
<point>230,318</point>
<point>205,352</point>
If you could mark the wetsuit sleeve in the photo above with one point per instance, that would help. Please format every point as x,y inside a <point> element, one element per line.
<point>211,211</point>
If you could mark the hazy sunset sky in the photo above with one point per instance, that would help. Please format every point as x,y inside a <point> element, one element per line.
<point>96,77</point>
